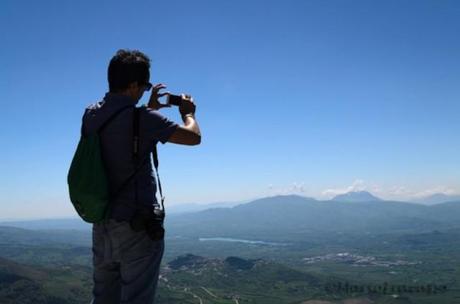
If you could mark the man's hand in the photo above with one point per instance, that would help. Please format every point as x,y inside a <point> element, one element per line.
<point>187,106</point>
<point>154,103</point>
<point>189,133</point>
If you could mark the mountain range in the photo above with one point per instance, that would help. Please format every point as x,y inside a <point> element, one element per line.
<point>292,216</point>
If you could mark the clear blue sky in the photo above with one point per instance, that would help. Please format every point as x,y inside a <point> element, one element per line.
<point>314,97</point>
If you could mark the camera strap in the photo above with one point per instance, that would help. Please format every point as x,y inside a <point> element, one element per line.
<point>155,163</point>
<point>135,153</point>
<point>135,157</point>
<point>154,155</point>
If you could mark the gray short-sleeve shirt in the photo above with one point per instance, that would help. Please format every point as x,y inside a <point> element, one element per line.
<point>116,144</point>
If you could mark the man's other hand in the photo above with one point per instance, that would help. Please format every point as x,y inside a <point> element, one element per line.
<point>154,103</point>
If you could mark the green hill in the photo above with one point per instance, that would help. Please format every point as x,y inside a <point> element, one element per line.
<point>24,284</point>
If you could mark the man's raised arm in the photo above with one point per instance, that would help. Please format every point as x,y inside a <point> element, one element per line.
<point>189,133</point>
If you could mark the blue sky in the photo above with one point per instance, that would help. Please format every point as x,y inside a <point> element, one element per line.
<point>309,97</point>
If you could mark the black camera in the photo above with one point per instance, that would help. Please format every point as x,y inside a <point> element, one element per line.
<point>175,100</point>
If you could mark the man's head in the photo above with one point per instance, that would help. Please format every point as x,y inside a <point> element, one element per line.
<point>128,73</point>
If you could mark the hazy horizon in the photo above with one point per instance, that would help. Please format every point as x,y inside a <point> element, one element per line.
<point>71,215</point>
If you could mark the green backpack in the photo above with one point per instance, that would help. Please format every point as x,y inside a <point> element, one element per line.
<point>87,179</point>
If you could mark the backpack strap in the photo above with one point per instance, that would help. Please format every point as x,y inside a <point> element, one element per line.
<point>102,127</point>
<point>112,117</point>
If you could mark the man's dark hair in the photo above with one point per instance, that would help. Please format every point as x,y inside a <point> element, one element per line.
<point>126,67</point>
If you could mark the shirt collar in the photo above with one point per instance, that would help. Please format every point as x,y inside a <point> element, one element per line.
<point>119,99</point>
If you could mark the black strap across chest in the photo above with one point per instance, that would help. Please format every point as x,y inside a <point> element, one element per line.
<point>135,155</point>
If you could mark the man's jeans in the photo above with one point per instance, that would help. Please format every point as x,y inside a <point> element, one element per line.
<point>126,264</point>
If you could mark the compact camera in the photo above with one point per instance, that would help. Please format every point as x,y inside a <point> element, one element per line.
<point>175,100</point>
<point>151,221</point>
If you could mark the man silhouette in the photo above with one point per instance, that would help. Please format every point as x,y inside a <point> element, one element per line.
<point>126,260</point>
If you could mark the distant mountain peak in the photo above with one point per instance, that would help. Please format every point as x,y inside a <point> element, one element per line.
<point>279,200</point>
<point>356,196</point>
